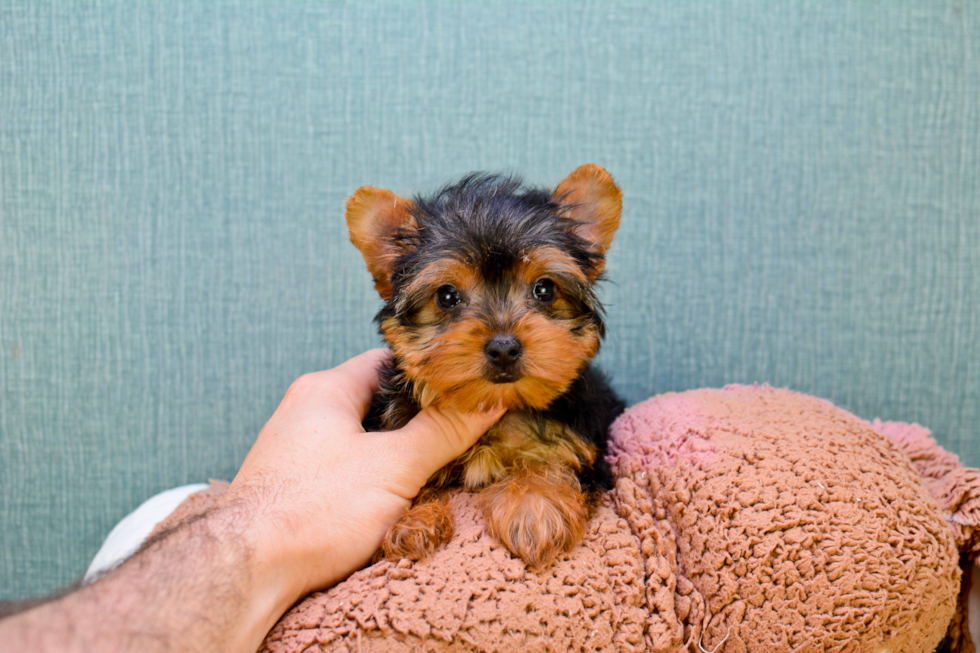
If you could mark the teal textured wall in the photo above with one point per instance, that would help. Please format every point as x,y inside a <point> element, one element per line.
<point>801,208</point>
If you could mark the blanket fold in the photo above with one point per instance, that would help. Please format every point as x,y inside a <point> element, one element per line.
<point>747,519</point>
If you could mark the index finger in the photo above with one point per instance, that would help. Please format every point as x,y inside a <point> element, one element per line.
<point>347,387</point>
<point>357,378</point>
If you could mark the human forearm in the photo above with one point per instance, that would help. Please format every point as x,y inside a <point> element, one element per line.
<point>203,586</point>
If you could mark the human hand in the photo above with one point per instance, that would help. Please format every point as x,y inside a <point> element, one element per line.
<point>319,493</point>
<point>310,504</point>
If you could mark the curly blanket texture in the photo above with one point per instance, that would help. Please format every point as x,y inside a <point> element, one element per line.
<point>747,519</point>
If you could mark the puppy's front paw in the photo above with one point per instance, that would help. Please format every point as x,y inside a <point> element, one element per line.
<point>538,513</point>
<point>425,527</point>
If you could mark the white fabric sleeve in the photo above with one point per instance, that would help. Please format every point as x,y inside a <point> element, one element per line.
<point>132,531</point>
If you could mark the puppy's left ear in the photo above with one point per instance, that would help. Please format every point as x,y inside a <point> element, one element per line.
<point>377,220</point>
<point>594,202</point>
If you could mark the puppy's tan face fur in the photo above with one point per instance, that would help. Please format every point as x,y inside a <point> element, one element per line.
<point>443,351</point>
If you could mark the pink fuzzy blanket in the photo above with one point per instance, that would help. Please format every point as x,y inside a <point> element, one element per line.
<point>744,519</point>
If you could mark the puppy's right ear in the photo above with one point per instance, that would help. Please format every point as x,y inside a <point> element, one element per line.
<point>377,219</point>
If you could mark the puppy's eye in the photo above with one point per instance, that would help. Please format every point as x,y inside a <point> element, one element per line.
<point>544,290</point>
<point>447,296</point>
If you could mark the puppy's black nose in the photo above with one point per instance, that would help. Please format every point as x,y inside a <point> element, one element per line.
<point>503,351</point>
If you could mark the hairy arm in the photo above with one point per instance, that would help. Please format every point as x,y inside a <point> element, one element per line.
<point>198,587</point>
<point>310,504</point>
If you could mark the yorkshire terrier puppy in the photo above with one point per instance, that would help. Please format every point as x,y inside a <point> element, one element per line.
<point>489,291</point>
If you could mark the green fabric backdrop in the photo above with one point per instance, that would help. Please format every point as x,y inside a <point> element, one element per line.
<point>801,208</point>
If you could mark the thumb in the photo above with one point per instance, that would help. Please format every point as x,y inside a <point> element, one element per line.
<point>442,434</point>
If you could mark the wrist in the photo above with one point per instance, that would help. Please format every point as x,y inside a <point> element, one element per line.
<point>272,581</point>
<point>300,544</point>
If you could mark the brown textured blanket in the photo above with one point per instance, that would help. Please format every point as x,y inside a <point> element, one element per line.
<point>744,519</point>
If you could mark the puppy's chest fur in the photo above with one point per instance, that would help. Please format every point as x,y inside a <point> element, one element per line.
<point>571,432</point>
<point>520,437</point>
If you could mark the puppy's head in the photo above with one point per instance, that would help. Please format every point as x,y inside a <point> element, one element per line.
<point>489,285</point>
